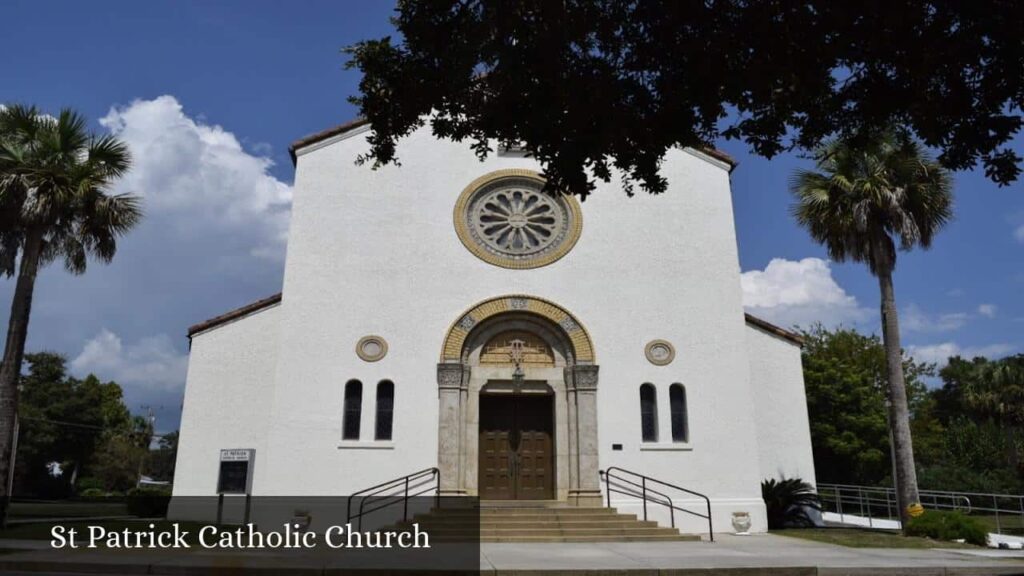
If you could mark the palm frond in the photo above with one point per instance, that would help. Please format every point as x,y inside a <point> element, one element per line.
<point>864,200</point>
<point>54,178</point>
<point>789,502</point>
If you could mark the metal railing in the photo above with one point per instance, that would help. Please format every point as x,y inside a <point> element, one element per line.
<point>637,485</point>
<point>1004,511</point>
<point>394,492</point>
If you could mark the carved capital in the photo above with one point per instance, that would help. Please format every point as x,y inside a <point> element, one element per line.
<point>581,377</point>
<point>449,376</point>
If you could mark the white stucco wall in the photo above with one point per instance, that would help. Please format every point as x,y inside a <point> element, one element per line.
<point>783,428</point>
<point>228,395</point>
<point>375,252</point>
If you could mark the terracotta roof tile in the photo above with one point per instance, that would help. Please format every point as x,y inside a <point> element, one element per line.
<point>234,314</point>
<point>723,156</point>
<point>325,134</point>
<point>773,329</point>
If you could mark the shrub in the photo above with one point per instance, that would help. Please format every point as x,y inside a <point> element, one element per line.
<point>92,494</point>
<point>788,502</point>
<point>942,525</point>
<point>88,483</point>
<point>148,502</point>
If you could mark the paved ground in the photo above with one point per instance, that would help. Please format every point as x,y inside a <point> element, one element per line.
<point>763,555</point>
<point>764,551</point>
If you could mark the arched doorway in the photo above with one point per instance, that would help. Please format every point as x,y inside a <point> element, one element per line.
<point>518,429</point>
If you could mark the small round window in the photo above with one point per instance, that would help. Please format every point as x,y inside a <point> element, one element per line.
<point>371,348</point>
<point>505,218</point>
<point>660,352</point>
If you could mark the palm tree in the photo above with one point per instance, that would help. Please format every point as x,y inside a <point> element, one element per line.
<point>864,201</point>
<point>996,393</point>
<point>54,204</point>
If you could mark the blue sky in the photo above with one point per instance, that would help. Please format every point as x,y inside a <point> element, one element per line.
<point>209,95</point>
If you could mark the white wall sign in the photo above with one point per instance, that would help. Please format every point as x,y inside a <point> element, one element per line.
<point>236,455</point>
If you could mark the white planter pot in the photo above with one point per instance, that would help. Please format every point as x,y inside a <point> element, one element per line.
<point>741,522</point>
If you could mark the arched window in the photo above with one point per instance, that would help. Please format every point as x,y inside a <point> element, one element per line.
<point>353,410</point>
<point>680,421</point>
<point>385,409</point>
<point>648,413</point>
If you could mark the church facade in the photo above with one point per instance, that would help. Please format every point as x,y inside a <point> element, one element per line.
<point>448,313</point>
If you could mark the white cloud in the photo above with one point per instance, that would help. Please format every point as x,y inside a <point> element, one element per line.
<point>1019,233</point>
<point>914,319</point>
<point>212,239</point>
<point>151,363</point>
<point>200,174</point>
<point>987,310</point>
<point>940,353</point>
<point>800,292</point>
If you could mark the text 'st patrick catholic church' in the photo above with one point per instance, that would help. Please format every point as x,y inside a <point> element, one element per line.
<point>448,313</point>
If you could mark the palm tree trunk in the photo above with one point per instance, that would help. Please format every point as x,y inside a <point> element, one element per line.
<point>899,410</point>
<point>14,352</point>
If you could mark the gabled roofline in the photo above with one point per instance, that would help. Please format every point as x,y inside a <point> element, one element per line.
<point>324,135</point>
<point>233,315</point>
<point>775,330</point>
<point>276,298</point>
<point>360,121</point>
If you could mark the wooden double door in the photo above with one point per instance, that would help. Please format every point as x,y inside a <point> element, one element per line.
<point>516,447</point>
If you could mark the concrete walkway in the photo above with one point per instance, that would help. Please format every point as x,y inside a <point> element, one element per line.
<point>763,554</point>
<point>734,555</point>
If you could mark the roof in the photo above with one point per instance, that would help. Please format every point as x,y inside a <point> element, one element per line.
<point>775,330</point>
<point>723,156</point>
<point>360,121</point>
<point>271,300</point>
<point>234,314</point>
<point>325,134</point>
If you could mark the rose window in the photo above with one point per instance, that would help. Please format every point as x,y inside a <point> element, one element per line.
<point>517,220</point>
<point>511,222</point>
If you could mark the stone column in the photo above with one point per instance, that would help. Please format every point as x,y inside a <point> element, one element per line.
<point>587,492</point>
<point>449,427</point>
<point>573,481</point>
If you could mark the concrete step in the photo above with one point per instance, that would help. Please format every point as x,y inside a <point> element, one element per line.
<point>485,524</point>
<point>525,504</point>
<point>505,512</point>
<point>565,538</point>
<point>529,518</point>
<point>581,532</point>
<point>546,522</point>
<point>551,509</point>
<point>602,538</point>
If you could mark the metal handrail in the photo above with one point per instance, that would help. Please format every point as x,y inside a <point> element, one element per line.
<point>880,502</point>
<point>609,476</point>
<point>381,493</point>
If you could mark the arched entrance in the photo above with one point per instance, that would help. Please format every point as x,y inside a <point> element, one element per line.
<point>518,425</point>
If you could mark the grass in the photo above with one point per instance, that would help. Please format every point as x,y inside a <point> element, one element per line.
<point>1009,523</point>
<point>865,538</point>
